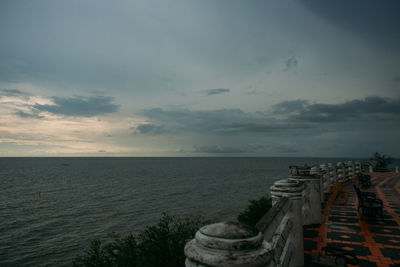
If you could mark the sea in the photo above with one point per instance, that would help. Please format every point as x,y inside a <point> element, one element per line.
<point>52,208</point>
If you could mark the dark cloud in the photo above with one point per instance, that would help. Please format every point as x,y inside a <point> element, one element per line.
<point>22,114</point>
<point>290,106</point>
<point>216,149</point>
<point>376,21</point>
<point>13,92</point>
<point>150,129</point>
<point>376,107</point>
<point>221,149</point>
<point>80,106</point>
<point>217,91</point>
<point>224,121</point>
<point>291,63</point>
<point>285,148</point>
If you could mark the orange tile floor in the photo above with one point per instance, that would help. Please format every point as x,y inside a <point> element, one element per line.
<point>374,241</point>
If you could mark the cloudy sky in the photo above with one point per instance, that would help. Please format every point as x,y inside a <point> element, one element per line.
<point>199,78</point>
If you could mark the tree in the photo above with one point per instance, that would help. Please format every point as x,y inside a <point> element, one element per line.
<point>381,162</point>
<point>158,245</point>
<point>255,211</point>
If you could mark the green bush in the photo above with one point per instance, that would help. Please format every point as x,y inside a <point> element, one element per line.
<point>159,245</point>
<point>255,210</point>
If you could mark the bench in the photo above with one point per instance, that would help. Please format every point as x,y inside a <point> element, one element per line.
<point>370,205</point>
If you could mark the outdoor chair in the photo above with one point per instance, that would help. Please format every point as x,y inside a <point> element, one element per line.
<point>370,205</point>
<point>364,180</point>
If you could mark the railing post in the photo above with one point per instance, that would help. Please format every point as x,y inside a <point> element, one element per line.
<point>333,174</point>
<point>352,169</point>
<point>341,172</point>
<point>228,244</point>
<point>326,178</point>
<point>371,169</point>
<point>317,172</point>
<point>358,167</point>
<point>311,202</point>
<point>294,254</point>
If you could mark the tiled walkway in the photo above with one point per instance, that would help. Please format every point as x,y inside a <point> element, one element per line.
<point>375,242</point>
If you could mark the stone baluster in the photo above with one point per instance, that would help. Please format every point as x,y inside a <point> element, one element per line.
<point>352,169</point>
<point>333,174</point>
<point>294,252</point>
<point>341,173</point>
<point>228,244</point>
<point>397,169</point>
<point>358,167</point>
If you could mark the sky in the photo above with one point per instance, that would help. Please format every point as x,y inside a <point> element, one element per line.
<point>305,78</point>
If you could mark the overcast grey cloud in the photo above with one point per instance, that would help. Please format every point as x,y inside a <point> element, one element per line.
<point>220,122</point>
<point>237,149</point>
<point>217,91</point>
<point>304,77</point>
<point>80,106</point>
<point>13,92</point>
<point>302,110</point>
<point>373,20</point>
<point>25,115</point>
<point>291,63</point>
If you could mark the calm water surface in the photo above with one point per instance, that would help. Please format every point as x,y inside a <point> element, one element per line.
<point>51,208</point>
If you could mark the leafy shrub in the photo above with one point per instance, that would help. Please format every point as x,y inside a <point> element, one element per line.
<point>255,210</point>
<point>159,245</point>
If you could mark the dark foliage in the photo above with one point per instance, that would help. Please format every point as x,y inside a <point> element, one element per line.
<point>159,245</point>
<point>381,162</point>
<point>255,211</point>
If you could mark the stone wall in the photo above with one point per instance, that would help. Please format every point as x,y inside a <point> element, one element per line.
<point>277,239</point>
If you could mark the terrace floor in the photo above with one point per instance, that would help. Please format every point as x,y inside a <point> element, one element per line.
<point>375,242</point>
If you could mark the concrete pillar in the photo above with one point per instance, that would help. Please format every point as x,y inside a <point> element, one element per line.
<point>316,171</point>
<point>311,203</point>
<point>358,167</point>
<point>326,178</point>
<point>340,170</point>
<point>333,174</point>
<point>294,191</point>
<point>352,169</point>
<point>371,169</point>
<point>228,244</point>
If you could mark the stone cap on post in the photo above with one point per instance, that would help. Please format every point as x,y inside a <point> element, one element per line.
<point>302,171</point>
<point>316,170</point>
<point>286,188</point>
<point>228,244</point>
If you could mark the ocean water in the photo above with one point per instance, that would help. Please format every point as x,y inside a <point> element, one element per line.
<point>51,208</point>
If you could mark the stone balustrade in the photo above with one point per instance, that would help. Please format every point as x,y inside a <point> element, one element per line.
<point>228,244</point>
<point>311,199</point>
<point>277,239</point>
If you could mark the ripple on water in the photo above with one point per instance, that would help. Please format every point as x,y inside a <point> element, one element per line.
<point>51,208</point>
